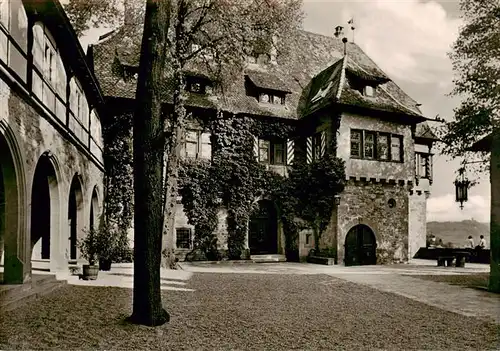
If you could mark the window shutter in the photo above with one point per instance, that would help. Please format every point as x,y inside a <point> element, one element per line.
<point>428,170</point>
<point>309,149</point>
<point>290,151</point>
<point>256,147</point>
<point>323,144</point>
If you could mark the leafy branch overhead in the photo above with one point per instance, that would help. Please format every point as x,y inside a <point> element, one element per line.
<point>476,61</point>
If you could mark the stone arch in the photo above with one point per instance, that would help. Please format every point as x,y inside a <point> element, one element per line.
<point>76,217</point>
<point>360,246</point>
<point>45,208</point>
<point>94,208</point>
<point>13,228</point>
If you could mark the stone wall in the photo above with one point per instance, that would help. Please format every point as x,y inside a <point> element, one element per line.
<point>417,223</point>
<point>372,168</point>
<point>34,133</point>
<point>368,203</point>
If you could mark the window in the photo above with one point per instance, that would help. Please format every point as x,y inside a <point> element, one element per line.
<point>383,146</point>
<point>264,151</point>
<point>183,238</point>
<point>49,75</point>
<point>396,148</point>
<point>369,145</point>
<point>196,145</point>
<point>423,165</point>
<point>369,91</point>
<point>197,85</point>
<point>14,21</point>
<point>272,99</point>
<point>272,151</point>
<point>376,146</point>
<point>79,117</point>
<point>356,143</point>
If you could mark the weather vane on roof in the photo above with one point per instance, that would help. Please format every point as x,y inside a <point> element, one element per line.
<point>351,22</point>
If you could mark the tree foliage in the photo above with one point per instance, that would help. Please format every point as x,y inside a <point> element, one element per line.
<point>476,62</point>
<point>86,14</point>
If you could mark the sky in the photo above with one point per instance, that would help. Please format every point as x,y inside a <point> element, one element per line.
<point>409,41</point>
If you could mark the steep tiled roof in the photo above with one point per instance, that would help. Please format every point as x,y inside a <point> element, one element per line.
<point>424,131</point>
<point>313,60</point>
<point>266,80</point>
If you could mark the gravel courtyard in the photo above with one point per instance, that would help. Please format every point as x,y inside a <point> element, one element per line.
<point>245,312</point>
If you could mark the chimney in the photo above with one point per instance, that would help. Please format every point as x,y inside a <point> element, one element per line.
<point>339,31</point>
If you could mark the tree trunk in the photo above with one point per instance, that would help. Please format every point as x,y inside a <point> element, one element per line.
<point>148,168</point>
<point>494,283</point>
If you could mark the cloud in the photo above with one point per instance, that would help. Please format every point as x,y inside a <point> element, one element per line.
<point>444,208</point>
<point>408,39</point>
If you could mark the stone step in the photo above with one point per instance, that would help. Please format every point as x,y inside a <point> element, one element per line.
<point>14,296</point>
<point>268,258</point>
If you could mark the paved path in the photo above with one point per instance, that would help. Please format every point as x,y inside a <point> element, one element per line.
<point>122,276</point>
<point>394,279</point>
<point>466,301</point>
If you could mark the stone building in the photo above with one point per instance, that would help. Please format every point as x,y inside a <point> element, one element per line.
<point>341,103</point>
<point>51,164</point>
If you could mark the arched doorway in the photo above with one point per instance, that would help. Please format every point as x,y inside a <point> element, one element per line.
<point>360,246</point>
<point>75,207</point>
<point>263,229</point>
<point>94,209</point>
<point>44,208</point>
<point>14,250</point>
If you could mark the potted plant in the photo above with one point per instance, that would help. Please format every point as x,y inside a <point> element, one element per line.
<point>89,248</point>
<point>106,247</point>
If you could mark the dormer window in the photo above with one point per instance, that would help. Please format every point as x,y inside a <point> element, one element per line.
<point>369,91</point>
<point>272,99</point>
<point>198,85</point>
<point>266,88</point>
<point>196,88</point>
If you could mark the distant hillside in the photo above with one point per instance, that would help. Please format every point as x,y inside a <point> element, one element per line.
<point>457,232</point>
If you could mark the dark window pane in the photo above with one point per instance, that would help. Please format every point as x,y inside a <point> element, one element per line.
<point>183,238</point>
<point>279,153</point>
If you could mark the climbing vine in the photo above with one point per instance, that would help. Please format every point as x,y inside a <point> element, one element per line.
<point>234,180</point>
<point>118,192</point>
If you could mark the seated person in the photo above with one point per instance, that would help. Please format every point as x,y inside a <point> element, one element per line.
<point>482,242</point>
<point>470,243</point>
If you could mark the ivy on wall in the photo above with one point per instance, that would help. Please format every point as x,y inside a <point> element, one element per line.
<point>234,180</point>
<point>118,190</point>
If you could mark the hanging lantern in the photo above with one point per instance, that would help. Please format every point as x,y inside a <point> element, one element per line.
<point>462,185</point>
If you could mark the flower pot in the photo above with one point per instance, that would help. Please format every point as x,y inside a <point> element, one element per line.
<point>104,264</point>
<point>90,272</point>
